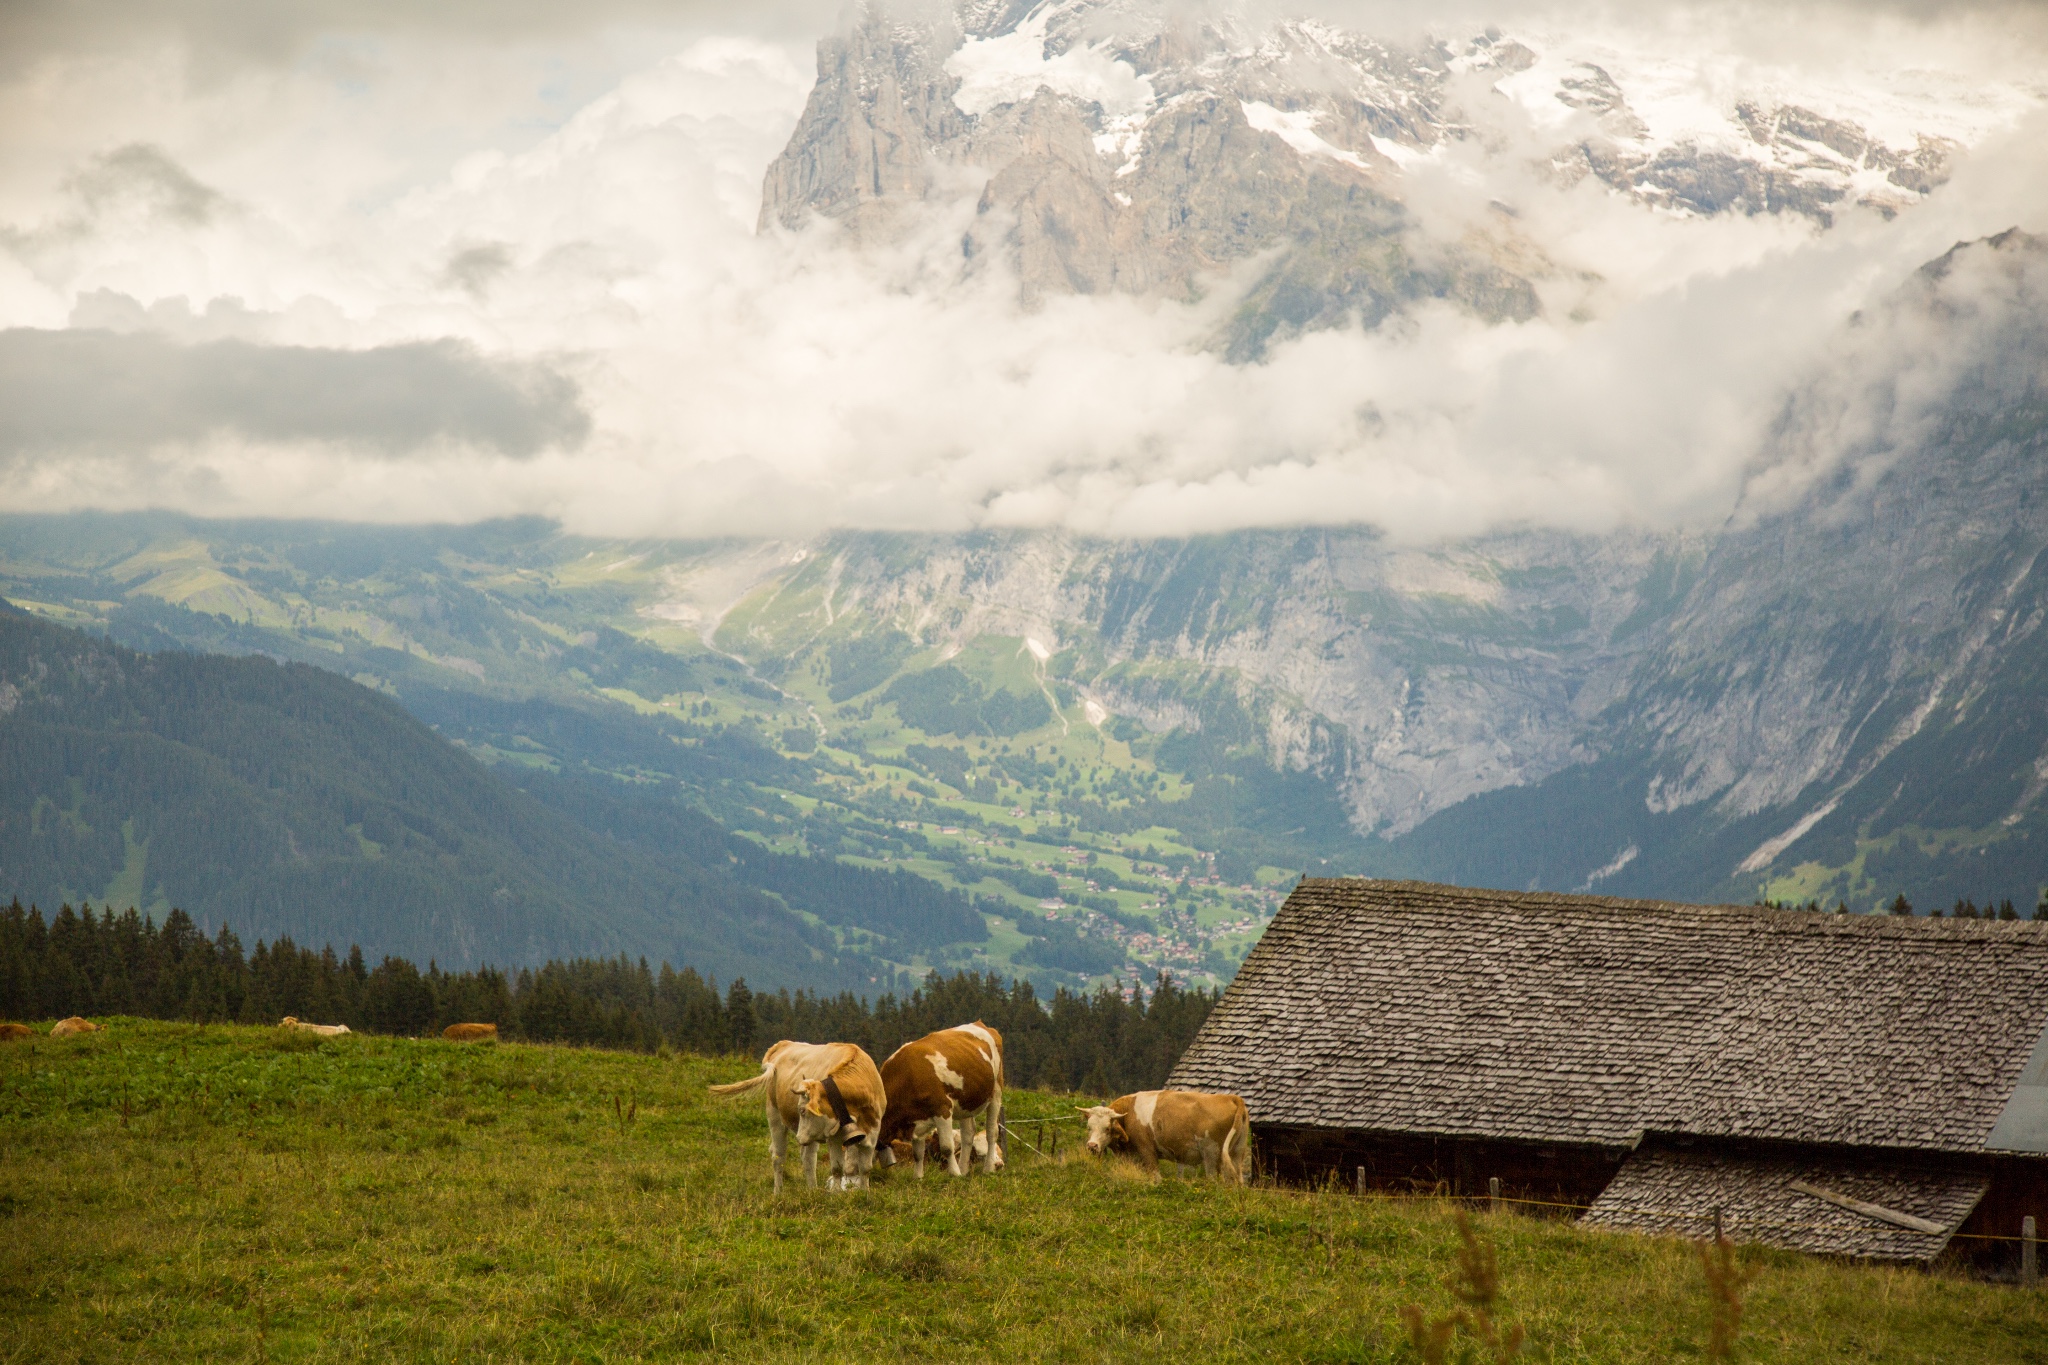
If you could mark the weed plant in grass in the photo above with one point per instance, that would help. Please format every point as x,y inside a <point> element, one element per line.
<point>175,1192</point>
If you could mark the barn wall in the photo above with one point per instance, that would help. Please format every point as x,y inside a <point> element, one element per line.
<point>2019,1187</point>
<point>1412,1163</point>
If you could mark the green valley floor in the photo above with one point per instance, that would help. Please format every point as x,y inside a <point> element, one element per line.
<point>224,1193</point>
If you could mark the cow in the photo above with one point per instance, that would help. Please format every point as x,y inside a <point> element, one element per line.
<point>324,1030</point>
<point>955,1073</point>
<point>471,1033</point>
<point>10,1032</point>
<point>74,1025</point>
<point>1180,1125</point>
<point>826,1092</point>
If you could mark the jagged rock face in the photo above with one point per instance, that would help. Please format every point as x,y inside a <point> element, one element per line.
<point>1114,150</point>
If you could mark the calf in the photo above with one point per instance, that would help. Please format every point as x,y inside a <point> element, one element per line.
<point>324,1030</point>
<point>826,1092</point>
<point>471,1033</point>
<point>954,1073</point>
<point>10,1032</point>
<point>74,1025</point>
<point>1180,1125</point>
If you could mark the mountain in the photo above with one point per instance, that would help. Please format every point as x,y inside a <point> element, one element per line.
<point>1112,151</point>
<point>283,799</point>
<point>1118,753</point>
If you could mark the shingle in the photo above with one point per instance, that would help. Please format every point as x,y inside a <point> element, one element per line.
<point>1673,1193</point>
<point>1406,1006</point>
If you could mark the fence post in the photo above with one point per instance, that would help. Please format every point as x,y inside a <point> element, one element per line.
<point>1358,1181</point>
<point>1493,1194</point>
<point>2030,1252</point>
<point>1717,1222</point>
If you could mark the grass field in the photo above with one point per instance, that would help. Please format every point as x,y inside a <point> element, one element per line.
<point>223,1193</point>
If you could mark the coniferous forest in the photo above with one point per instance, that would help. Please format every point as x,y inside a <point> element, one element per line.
<point>100,963</point>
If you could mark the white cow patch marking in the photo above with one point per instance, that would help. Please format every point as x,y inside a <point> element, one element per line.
<point>987,1039</point>
<point>948,1077</point>
<point>1143,1105</point>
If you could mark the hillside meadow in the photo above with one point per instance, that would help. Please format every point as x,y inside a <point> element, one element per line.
<point>177,1192</point>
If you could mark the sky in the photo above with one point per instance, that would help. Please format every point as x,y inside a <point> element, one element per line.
<point>375,260</point>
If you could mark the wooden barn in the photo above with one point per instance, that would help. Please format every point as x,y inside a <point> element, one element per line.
<point>1859,1085</point>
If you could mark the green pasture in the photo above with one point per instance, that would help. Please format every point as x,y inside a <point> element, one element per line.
<point>222,1193</point>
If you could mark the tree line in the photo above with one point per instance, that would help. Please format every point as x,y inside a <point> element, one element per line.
<point>82,962</point>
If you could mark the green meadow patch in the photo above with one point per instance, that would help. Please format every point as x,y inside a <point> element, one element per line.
<point>232,1193</point>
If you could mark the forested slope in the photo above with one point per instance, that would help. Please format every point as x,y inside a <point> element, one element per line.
<point>283,799</point>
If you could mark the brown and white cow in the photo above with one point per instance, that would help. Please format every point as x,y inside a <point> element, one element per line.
<point>1180,1125</point>
<point>324,1030</point>
<point>954,1074</point>
<point>825,1092</point>
<point>471,1033</point>
<point>65,1028</point>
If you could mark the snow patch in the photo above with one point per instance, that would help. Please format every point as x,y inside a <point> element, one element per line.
<point>1013,67</point>
<point>1297,130</point>
<point>1095,711</point>
<point>1038,650</point>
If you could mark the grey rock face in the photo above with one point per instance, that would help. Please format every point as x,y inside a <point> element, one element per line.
<point>1230,142</point>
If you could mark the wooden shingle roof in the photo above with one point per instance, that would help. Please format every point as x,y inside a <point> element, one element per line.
<point>1410,1007</point>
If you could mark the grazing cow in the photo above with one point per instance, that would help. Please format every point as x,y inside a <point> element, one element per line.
<point>471,1033</point>
<point>324,1030</point>
<point>74,1025</point>
<point>1180,1125</point>
<point>10,1032</point>
<point>826,1092</point>
<point>955,1073</point>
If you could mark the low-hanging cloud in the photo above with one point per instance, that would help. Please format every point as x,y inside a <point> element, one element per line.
<point>102,391</point>
<point>728,381</point>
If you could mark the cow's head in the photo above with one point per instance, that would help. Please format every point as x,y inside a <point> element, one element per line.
<point>1106,1130</point>
<point>818,1119</point>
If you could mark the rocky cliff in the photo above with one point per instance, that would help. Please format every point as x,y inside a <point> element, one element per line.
<point>1107,149</point>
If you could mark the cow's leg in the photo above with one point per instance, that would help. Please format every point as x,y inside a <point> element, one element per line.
<point>949,1144</point>
<point>1148,1152</point>
<point>992,1125</point>
<point>778,1144</point>
<point>1211,1154</point>
<point>836,1156</point>
<point>810,1150</point>
<point>966,1145</point>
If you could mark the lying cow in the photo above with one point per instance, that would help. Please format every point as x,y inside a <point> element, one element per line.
<point>324,1030</point>
<point>955,1073</point>
<point>471,1033</point>
<point>10,1032</point>
<point>67,1028</point>
<point>826,1092</point>
<point>1180,1125</point>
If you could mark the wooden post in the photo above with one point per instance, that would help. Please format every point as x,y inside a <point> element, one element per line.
<point>1358,1181</point>
<point>1717,1222</point>
<point>2030,1253</point>
<point>1493,1194</point>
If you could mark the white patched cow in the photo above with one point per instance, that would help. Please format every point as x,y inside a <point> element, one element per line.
<point>1187,1126</point>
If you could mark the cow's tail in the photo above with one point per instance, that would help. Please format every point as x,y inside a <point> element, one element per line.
<point>742,1087</point>
<point>1240,1137</point>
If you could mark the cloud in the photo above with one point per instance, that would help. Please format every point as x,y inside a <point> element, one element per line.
<point>325,313</point>
<point>97,391</point>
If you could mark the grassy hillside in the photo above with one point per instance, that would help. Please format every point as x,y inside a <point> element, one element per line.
<point>181,1193</point>
<point>289,800</point>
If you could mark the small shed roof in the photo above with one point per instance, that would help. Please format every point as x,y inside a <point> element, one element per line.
<point>1841,1207</point>
<point>1411,1007</point>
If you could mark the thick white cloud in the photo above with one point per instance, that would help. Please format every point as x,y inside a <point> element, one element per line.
<point>403,189</point>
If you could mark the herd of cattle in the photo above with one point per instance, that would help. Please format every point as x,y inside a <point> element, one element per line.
<point>931,1091</point>
<point>935,1089</point>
